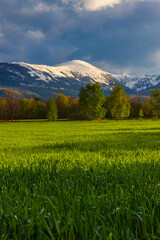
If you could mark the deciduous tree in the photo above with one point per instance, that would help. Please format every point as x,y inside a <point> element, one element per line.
<point>51,110</point>
<point>12,102</point>
<point>141,113</point>
<point>25,108</point>
<point>147,107</point>
<point>91,100</point>
<point>3,108</point>
<point>155,103</point>
<point>63,105</point>
<point>135,108</point>
<point>119,103</point>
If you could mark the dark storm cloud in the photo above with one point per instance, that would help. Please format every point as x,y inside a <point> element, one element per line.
<point>124,37</point>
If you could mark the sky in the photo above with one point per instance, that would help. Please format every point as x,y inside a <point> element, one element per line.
<point>118,36</point>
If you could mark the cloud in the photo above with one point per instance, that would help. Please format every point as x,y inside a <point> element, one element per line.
<point>36,8</point>
<point>35,35</point>
<point>91,5</point>
<point>123,37</point>
<point>42,7</point>
<point>156,56</point>
<point>1,35</point>
<point>127,70</point>
<point>96,5</point>
<point>155,59</point>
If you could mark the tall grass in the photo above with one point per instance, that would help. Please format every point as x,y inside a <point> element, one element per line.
<point>80,180</point>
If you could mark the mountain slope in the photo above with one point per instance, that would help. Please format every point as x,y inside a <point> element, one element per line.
<point>47,81</point>
<point>139,83</point>
<point>67,78</point>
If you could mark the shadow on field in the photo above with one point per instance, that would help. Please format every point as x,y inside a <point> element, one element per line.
<point>48,195</point>
<point>100,143</point>
<point>131,130</point>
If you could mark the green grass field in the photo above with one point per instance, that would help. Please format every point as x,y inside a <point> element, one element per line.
<point>80,180</point>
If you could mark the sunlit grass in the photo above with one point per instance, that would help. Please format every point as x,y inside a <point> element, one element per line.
<point>80,180</point>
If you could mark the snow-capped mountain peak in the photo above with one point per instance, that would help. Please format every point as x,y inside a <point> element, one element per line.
<point>67,77</point>
<point>71,69</point>
<point>139,83</point>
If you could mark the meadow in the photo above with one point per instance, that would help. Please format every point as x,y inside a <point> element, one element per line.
<point>80,180</point>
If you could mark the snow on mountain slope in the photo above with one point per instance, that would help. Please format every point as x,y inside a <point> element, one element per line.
<point>73,69</point>
<point>66,78</point>
<point>139,83</point>
<point>84,69</point>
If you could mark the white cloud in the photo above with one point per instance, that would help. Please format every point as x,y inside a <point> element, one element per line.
<point>127,70</point>
<point>154,60</point>
<point>1,35</point>
<point>95,5</point>
<point>42,7</point>
<point>91,5</point>
<point>155,57</point>
<point>36,8</point>
<point>35,35</point>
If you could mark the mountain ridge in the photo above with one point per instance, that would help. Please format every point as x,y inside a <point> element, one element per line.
<point>67,78</point>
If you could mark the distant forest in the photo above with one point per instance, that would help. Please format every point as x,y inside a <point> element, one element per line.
<point>92,104</point>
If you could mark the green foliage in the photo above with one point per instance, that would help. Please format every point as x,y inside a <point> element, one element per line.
<point>75,113</point>
<point>119,103</point>
<point>135,108</point>
<point>12,104</point>
<point>51,110</point>
<point>38,109</point>
<point>75,106</point>
<point>33,113</point>
<point>141,113</point>
<point>25,108</point>
<point>106,105</point>
<point>91,100</point>
<point>92,104</point>
<point>62,105</point>
<point>99,180</point>
<point>155,103</point>
<point>147,107</point>
<point>3,109</point>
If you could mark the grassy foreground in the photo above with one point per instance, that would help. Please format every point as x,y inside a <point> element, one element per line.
<point>80,180</point>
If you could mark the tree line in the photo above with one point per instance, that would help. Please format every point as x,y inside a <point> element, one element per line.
<point>92,104</point>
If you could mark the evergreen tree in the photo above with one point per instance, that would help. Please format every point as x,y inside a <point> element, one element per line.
<point>119,103</point>
<point>51,110</point>
<point>91,100</point>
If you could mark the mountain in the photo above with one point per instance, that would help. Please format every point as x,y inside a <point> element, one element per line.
<point>47,81</point>
<point>139,83</point>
